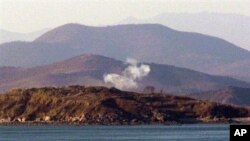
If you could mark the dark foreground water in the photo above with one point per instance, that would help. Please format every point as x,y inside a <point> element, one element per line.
<point>195,132</point>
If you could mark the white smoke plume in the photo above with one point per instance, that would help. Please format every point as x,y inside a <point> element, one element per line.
<point>129,77</point>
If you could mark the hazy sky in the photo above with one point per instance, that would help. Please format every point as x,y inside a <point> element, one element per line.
<point>32,15</point>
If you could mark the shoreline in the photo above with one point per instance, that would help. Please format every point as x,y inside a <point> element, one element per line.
<point>59,123</point>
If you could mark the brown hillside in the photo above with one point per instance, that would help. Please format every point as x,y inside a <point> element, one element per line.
<point>231,95</point>
<point>88,69</point>
<point>100,105</point>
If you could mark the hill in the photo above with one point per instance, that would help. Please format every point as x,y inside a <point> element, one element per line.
<point>231,95</point>
<point>89,69</point>
<point>190,50</point>
<point>231,27</point>
<point>100,105</point>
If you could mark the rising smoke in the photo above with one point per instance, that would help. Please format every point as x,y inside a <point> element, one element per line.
<point>129,77</point>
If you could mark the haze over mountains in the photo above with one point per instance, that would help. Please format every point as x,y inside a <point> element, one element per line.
<point>7,36</point>
<point>74,54</point>
<point>234,28</point>
<point>144,42</point>
<point>89,70</point>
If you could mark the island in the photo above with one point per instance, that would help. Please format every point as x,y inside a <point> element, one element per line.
<point>110,106</point>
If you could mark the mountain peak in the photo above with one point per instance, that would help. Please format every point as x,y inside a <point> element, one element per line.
<point>63,33</point>
<point>75,32</point>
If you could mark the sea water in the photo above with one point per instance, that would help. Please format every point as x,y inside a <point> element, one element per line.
<point>192,132</point>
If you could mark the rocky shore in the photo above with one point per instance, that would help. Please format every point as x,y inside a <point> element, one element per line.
<point>109,106</point>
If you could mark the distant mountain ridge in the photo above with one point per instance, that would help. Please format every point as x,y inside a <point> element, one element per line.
<point>8,36</point>
<point>146,42</point>
<point>234,28</point>
<point>89,69</point>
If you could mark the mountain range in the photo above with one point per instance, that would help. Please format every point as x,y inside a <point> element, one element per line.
<point>151,43</point>
<point>234,28</point>
<point>89,69</point>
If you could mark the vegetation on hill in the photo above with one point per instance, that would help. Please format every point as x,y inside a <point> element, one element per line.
<point>100,105</point>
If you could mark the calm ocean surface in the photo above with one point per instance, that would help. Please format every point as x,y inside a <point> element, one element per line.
<point>193,132</point>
